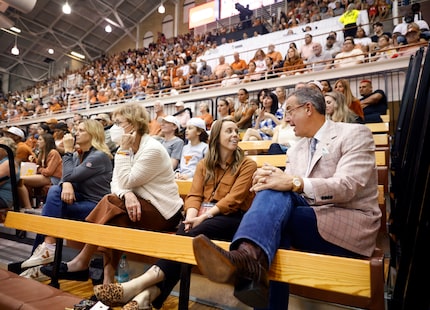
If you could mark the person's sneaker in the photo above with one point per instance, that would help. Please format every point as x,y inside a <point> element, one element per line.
<point>41,256</point>
<point>35,274</point>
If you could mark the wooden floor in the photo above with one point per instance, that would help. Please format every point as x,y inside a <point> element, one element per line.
<point>85,290</point>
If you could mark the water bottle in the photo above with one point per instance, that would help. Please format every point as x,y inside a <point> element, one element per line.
<point>123,270</point>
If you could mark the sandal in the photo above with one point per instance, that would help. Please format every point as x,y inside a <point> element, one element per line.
<point>109,294</point>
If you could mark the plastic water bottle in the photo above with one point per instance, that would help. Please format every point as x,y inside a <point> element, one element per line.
<point>123,269</point>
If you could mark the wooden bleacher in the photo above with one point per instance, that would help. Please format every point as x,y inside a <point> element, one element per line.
<point>360,280</point>
<point>258,146</point>
<point>379,127</point>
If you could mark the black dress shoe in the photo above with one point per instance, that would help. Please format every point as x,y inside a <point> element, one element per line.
<point>63,273</point>
<point>245,268</point>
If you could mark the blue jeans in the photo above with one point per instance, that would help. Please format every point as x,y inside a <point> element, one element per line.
<point>283,220</point>
<point>55,207</point>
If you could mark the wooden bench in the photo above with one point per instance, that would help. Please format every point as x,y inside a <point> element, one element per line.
<point>381,139</point>
<point>378,127</point>
<point>385,118</point>
<point>259,146</point>
<point>358,282</point>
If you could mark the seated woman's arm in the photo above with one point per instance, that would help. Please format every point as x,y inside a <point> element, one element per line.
<point>4,172</point>
<point>245,118</point>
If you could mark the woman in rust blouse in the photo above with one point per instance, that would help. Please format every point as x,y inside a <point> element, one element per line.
<point>293,63</point>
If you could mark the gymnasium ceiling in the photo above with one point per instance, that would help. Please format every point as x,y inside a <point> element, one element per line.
<point>82,31</point>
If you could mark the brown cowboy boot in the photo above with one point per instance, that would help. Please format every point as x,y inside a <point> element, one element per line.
<point>245,268</point>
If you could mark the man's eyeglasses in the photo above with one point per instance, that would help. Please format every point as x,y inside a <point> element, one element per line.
<point>289,111</point>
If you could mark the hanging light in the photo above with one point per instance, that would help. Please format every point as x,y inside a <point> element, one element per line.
<point>50,51</point>
<point>108,28</point>
<point>161,8</point>
<point>76,54</point>
<point>66,8</point>
<point>15,50</point>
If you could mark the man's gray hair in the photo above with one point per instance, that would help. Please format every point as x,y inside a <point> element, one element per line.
<point>308,94</point>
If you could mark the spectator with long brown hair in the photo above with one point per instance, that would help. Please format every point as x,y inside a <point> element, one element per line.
<point>49,169</point>
<point>342,86</point>
<point>293,63</point>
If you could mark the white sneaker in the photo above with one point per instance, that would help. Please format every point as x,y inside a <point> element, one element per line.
<point>35,274</point>
<point>41,256</point>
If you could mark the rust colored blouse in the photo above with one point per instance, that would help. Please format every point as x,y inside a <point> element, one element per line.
<point>231,190</point>
<point>356,108</point>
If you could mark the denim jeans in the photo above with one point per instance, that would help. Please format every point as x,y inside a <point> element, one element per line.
<point>283,220</point>
<point>55,207</point>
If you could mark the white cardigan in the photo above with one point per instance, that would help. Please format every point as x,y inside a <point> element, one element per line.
<point>148,174</point>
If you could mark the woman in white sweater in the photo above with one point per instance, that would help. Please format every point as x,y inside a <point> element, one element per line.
<point>144,192</point>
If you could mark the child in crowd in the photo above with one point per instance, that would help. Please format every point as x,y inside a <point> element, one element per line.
<point>194,150</point>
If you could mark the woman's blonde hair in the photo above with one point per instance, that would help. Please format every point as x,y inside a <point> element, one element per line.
<point>341,112</point>
<point>212,157</point>
<point>96,131</point>
<point>136,115</point>
<point>349,97</point>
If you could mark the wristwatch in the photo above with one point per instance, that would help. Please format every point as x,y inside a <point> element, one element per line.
<point>297,185</point>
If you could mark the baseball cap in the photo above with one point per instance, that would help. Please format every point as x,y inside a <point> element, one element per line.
<point>179,104</point>
<point>170,119</point>
<point>16,131</point>
<point>317,84</point>
<point>197,122</point>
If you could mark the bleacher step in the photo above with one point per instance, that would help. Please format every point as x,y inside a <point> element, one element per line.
<point>13,252</point>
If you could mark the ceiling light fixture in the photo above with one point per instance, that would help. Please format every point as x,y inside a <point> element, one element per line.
<point>77,55</point>
<point>66,8</point>
<point>50,51</point>
<point>15,29</point>
<point>161,8</point>
<point>15,50</point>
<point>108,28</point>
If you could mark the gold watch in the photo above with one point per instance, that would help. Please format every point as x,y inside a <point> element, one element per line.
<point>297,185</point>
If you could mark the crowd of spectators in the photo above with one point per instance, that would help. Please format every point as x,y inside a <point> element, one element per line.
<point>170,66</point>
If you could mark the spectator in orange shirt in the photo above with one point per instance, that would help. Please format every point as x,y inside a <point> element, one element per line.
<point>54,105</point>
<point>275,55</point>
<point>32,136</point>
<point>23,151</point>
<point>238,65</point>
<point>205,115</point>
<point>220,68</point>
<point>154,125</point>
<point>101,96</point>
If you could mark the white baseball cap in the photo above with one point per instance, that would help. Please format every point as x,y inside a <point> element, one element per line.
<point>170,119</point>
<point>16,131</point>
<point>197,122</point>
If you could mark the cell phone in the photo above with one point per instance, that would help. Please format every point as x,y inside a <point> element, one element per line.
<point>84,304</point>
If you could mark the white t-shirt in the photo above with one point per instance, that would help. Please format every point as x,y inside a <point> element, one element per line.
<point>191,155</point>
